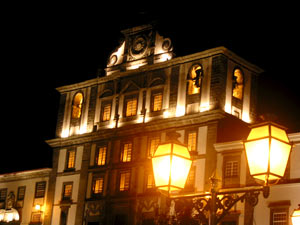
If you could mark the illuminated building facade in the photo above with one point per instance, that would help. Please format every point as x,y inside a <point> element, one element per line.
<point>109,127</point>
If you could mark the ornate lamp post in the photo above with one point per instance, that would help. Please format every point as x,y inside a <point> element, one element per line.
<point>267,151</point>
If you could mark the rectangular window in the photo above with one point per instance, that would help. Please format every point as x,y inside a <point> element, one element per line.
<point>101,156</point>
<point>97,186</point>
<point>231,169</point>
<point>126,152</point>
<point>106,112</point>
<point>192,140</point>
<point>131,106</point>
<point>280,218</point>
<point>3,194</point>
<point>21,193</point>
<point>36,217</point>
<point>67,191</point>
<point>150,181</point>
<point>70,159</point>
<point>124,180</point>
<point>156,101</point>
<point>40,188</point>
<point>152,145</point>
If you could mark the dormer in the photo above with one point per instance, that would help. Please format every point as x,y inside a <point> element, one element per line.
<point>142,46</point>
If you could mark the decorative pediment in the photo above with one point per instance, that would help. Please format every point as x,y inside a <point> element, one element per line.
<point>142,46</point>
<point>130,86</point>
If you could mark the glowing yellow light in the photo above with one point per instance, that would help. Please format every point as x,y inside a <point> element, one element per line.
<point>267,150</point>
<point>166,114</point>
<point>204,106</point>
<point>296,216</point>
<point>246,117</point>
<point>83,129</point>
<point>171,164</point>
<point>228,108</point>
<point>37,207</point>
<point>65,133</point>
<point>180,110</point>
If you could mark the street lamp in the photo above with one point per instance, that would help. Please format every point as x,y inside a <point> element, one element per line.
<point>296,216</point>
<point>267,151</point>
<point>171,164</point>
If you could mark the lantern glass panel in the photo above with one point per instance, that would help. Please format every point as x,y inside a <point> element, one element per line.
<point>180,171</point>
<point>279,155</point>
<point>279,133</point>
<point>258,132</point>
<point>296,217</point>
<point>181,151</point>
<point>258,155</point>
<point>163,150</point>
<point>161,170</point>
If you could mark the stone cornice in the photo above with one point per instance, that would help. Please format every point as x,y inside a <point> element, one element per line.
<point>140,128</point>
<point>23,175</point>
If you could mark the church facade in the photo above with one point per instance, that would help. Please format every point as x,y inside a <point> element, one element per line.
<point>109,127</point>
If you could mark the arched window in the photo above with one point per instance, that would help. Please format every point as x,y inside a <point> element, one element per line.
<point>194,78</point>
<point>77,106</point>
<point>238,84</point>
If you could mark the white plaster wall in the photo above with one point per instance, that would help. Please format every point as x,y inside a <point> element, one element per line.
<point>28,204</point>
<point>59,186</point>
<point>279,192</point>
<point>199,174</point>
<point>202,140</point>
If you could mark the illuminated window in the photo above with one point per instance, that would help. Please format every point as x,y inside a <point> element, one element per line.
<point>280,218</point>
<point>156,102</point>
<point>77,105</point>
<point>124,180</point>
<point>231,168</point>
<point>192,140</point>
<point>195,77</point>
<point>126,152</point>
<point>106,112</point>
<point>153,143</point>
<point>101,156</point>
<point>70,159</point>
<point>97,186</point>
<point>238,84</point>
<point>279,212</point>
<point>150,181</point>
<point>131,106</point>
<point>40,188</point>
<point>67,191</point>
<point>36,217</point>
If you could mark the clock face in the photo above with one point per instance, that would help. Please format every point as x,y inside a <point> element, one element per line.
<point>139,45</point>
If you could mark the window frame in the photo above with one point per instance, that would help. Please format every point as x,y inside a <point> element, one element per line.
<point>188,132</point>
<point>103,105</point>
<point>36,189</point>
<point>73,106</point>
<point>124,189</point>
<point>63,193</point>
<point>235,82</point>
<point>94,179</point>
<point>156,92</point>
<point>122,160</point>
<point>149,148</point>
<point>67,168</point>
<point>97,155</point>
<point>127,99</point>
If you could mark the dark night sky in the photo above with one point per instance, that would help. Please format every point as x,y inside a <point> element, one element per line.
<point>55,46</point>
